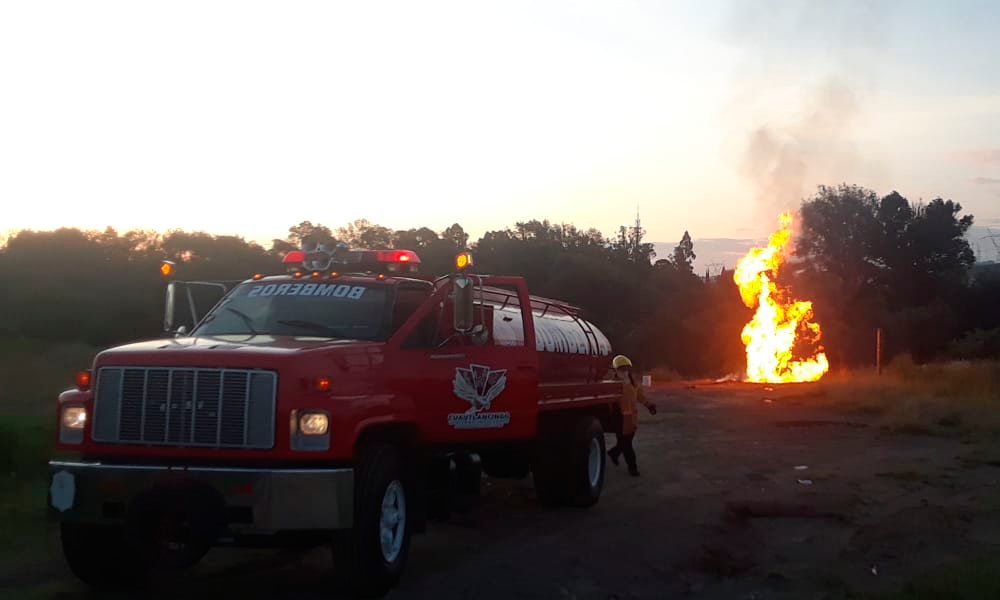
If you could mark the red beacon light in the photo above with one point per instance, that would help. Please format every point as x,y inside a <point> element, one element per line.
<point>397,256</point>
<point>397,261</point>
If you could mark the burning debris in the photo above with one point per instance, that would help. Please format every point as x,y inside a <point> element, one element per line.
<point>780,324</point>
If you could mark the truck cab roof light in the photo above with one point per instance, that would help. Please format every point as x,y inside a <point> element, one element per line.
<point>321,259</point>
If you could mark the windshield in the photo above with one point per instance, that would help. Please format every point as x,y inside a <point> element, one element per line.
<point>329,310</point>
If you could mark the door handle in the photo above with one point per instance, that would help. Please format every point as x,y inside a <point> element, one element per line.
<point>446,356</point>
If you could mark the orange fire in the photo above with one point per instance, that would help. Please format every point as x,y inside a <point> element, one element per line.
<point>779,322</point>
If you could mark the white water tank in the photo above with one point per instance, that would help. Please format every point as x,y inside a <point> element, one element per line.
<point>553,333</point>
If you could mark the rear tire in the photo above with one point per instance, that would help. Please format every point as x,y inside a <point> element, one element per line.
<point>101,557</point>
<point>548,468</point>
<point>586,465</point>
<point>569,464</point>
<point>369,558</point>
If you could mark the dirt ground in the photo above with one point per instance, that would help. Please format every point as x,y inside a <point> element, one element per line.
<point>746,492</point>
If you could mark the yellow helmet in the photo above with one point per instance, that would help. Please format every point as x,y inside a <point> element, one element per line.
<point>621,361</point>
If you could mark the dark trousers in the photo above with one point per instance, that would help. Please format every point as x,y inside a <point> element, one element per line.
<point>623,447</point>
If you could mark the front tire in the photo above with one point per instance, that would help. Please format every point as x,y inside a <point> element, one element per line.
<point>369,558</point>
<point>101,556</point>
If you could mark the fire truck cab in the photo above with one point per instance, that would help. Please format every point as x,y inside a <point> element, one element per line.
<point>345,402</point>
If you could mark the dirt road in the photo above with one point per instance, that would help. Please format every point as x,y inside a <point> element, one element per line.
<point>744,493</point>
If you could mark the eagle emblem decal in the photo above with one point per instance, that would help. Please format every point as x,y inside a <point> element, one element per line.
<point>479,385</point>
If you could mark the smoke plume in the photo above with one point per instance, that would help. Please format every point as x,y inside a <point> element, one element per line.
<point>801,86</point>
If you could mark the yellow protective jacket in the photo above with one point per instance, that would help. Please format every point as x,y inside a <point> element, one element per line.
<point>632,396</point>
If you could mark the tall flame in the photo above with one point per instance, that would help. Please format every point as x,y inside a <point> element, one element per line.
<point>779,321</point>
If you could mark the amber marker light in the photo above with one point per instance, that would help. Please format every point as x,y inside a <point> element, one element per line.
<point>463,260</point>
<point>83,380</point>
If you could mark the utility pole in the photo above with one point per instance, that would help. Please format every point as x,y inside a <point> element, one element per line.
<point>636,234</point>
<point>878,351</point>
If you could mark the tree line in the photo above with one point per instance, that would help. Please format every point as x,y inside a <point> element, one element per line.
<point>865,261</point>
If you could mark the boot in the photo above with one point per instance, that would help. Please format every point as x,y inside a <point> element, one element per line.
<point>613,455</point>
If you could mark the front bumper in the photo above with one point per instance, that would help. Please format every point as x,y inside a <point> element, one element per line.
<point>258,501</point>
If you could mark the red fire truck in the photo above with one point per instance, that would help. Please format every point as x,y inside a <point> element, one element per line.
<point>345,402</point>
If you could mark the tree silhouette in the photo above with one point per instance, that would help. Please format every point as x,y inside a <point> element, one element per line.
<point>683,256</point>
<point>306,232</point>
<point>869,262</point>
<point>364,234</point>
<point>864,261</point>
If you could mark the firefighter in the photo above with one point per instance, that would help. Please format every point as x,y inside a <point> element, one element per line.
<point>631,394</point>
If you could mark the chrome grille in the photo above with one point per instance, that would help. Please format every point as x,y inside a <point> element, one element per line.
<point>231,408</point>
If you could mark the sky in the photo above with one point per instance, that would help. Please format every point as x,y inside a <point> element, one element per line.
<point>248,117</point>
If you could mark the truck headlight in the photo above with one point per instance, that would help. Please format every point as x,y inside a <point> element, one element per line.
<point>314,423</point>
<point>74,417</point>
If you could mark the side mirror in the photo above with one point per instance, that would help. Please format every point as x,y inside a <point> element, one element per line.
<point>168,309</point>
<point>463,317</point>
<point>181,331</point>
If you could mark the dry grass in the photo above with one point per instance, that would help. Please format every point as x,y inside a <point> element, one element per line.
<point>958,396</point>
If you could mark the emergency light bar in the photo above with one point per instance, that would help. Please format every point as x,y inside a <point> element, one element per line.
<point>394,261</point>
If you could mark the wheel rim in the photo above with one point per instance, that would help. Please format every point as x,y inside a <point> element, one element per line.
<point>392,523</point>
<point>594,463</point>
